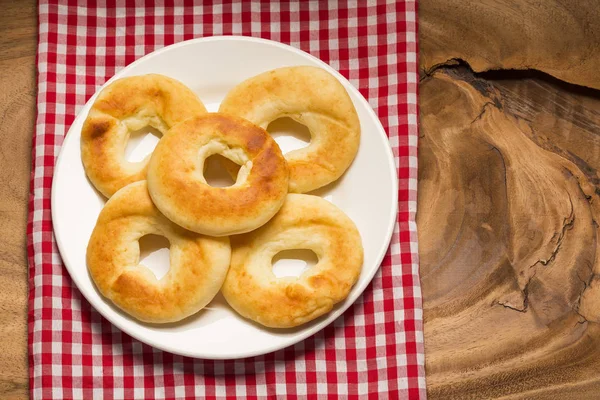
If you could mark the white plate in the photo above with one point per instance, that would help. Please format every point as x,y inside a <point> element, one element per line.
<point>210,67</point>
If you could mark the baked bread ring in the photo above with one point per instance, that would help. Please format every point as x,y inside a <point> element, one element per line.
<point>127,105</point>
<point>180,191</point>
<point>312,97</point>
<point>304,222</point>
<point>198,263</point>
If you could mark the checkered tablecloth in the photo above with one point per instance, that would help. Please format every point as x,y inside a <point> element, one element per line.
<point>375,350</point>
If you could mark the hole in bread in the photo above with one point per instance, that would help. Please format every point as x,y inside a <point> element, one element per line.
<point>154,254</point>
<point>293,262</point>
<point>289,134</point>
<point>220,171</point>
<point>141,143</point>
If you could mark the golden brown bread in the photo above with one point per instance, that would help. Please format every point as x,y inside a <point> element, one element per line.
<point>179,189</point>
<point>304,222</point>
<point>127,105</point>
<point>312,97</point>
<point>198,263</point>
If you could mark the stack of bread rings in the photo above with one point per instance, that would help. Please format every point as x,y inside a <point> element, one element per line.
<point>223,239</point>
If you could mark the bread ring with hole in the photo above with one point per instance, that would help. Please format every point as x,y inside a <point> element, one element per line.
<point>180,191</point>
<point>304,222</point>
<point>312,97</point>
<point>198,263</point>
<point>127,105</point>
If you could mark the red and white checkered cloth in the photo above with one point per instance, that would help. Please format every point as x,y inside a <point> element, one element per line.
<point>375,350</point>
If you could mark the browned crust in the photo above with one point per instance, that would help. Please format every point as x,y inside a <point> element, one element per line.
<point>198,263</point>
<point>303,222</point>
<point>175,187</point>
<point>314,98</point>
<point>160,101</point>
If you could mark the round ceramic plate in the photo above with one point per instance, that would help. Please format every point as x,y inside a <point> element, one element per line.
<point>367,193</point>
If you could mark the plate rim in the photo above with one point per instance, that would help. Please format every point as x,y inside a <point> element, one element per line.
<point>302,335</point>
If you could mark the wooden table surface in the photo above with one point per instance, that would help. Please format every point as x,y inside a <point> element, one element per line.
<point>508,196</point>
<point>18,39</point>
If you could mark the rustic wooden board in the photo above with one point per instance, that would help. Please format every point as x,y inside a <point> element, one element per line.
<point>508,198</point>
<point>17,110</point>
<point>559,37</point>
<point>507,216</point>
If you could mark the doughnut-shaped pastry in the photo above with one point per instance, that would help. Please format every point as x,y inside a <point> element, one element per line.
<point>180,191</point>
<point>304,222</point>
<point>312,97</point>
<point>198,263</point>
<point>127,105</point>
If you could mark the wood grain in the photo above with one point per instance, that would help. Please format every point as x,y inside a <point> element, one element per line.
<point>489,331</point>
<point>561,38</point>
<point>508,204</point>
<point>18,27</point>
